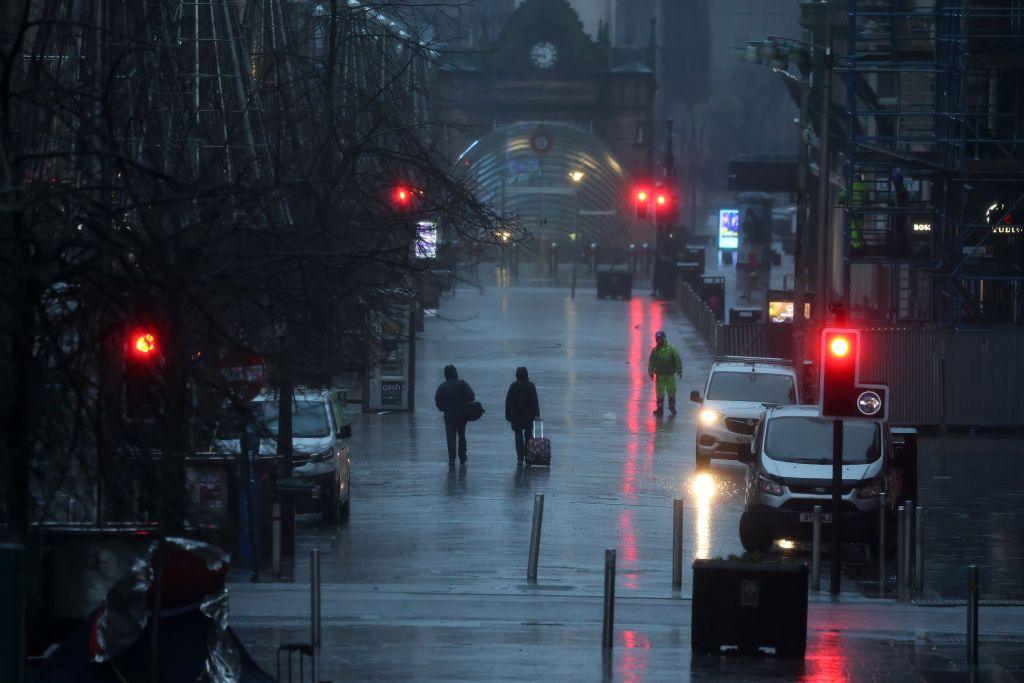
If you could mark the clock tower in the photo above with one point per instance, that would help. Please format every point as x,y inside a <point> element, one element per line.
<point>544,67</point>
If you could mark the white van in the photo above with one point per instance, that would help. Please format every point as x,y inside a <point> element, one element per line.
<point>320,460</point>
<point>790,471</point>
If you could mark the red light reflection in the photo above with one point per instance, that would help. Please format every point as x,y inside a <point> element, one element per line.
<point>633,665</point>
<point>826,662</point>
<point>645,319</point>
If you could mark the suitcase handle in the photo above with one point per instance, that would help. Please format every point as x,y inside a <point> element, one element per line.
<point>538,429</point>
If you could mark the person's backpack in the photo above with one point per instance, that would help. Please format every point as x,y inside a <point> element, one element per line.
<point>473,411</point>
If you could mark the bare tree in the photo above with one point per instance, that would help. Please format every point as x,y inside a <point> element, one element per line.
<point>222,173</point>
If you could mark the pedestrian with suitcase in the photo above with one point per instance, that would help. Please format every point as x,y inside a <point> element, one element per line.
<point>451,398</point>
<point>522,407</point>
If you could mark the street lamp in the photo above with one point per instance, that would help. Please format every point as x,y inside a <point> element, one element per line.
<point>576,177</point>
<point>778,53</point>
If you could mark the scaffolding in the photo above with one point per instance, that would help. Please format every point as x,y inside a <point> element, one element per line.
<point>933,208</point>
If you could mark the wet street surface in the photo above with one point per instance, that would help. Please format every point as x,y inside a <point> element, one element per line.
<point>972,493</point>
<point>428,579</point>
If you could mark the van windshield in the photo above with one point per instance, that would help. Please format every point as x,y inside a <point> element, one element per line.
<point>809,440</point>
<point>758,387</point>
<point>309,418</point>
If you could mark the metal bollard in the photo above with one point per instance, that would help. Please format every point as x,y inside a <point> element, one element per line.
<point>881,543</point>
<point>919,551</point>
<point>908,546</point>
<point>900,540</point>
<point>972,614</point>
<point>314,598</point>
<point>677,542</point>
<point>816,551</point>
<point>276,538</point>
<point>608,628</point>
<point>538,519</point>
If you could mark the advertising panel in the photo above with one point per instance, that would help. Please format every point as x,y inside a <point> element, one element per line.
<point>728,228</point>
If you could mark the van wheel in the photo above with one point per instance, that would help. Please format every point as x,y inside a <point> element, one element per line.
<point>344,510</point>
<point>752,536</point>
<point>329,503</point>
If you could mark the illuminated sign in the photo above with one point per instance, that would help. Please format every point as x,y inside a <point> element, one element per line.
<point>426,239</point>
<point>780,311</point>
<point>1008,230</point>
<point>922,227</point>
<point>728,228</point>
<point>1002,221</point>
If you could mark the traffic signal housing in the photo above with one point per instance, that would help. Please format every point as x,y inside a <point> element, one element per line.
<point>142,367</point>
<point>401,198</point>
<point>641,199</point>
<point>842,393</point>
<point>664,206</point>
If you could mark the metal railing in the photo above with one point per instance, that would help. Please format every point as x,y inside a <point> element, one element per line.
<point>701,316</point>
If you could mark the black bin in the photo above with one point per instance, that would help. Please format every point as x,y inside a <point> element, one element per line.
<point>712,291</point>
<point>741,316</point>
<point>749,605</point>
<point>614,283</point>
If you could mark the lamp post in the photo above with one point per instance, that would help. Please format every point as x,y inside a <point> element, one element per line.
<point>777,52</point>
<point>576,177</point>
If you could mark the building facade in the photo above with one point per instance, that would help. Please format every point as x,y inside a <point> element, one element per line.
<point>543,66</point>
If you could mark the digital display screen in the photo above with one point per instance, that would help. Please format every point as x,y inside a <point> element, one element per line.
<point>780,311</point>
<point>426,239</point>
<point>728,228</point>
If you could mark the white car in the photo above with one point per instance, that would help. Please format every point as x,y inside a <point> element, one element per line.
<point>734,398</point>
<point>320,460</point>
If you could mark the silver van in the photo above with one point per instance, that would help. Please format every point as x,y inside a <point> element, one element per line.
<point>321,469</point>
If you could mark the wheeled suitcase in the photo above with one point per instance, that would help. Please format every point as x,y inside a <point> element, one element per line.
<point>538,449</point>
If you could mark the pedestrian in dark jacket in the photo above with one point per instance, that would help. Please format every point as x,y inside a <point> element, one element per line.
<point>521,408</point>
<point>451,397</point>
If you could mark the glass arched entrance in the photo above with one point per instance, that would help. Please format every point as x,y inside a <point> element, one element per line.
<point>547,174</point>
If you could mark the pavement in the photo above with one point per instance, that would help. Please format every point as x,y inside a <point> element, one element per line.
<point>428,579</point>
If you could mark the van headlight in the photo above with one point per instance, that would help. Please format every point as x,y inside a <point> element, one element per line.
<point>709,417</point>
<point>766,485</point>
<point>321,456</point>
<point>871,488</point>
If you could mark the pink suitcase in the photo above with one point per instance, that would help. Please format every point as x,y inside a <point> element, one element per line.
<point>538,449</point>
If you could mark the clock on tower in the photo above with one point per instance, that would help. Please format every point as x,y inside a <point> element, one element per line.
<point>543,55</point>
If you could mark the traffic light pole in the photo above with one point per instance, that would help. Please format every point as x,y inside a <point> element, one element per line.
<point>837,497</point>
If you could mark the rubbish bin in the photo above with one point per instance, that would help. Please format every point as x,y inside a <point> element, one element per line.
<point>749,605</point>
<point>614,283</point>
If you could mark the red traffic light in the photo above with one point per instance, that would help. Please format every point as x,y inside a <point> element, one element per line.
<point>839,346</point>
<point>843,394</point>
<point>403,198</point>
<point>664,207</point>
<point>143,343</point>
<point>641,198</point>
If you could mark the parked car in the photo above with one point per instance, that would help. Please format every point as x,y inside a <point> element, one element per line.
<point>736,392</point>
<point>321,469</point>
<point>790,471</point>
